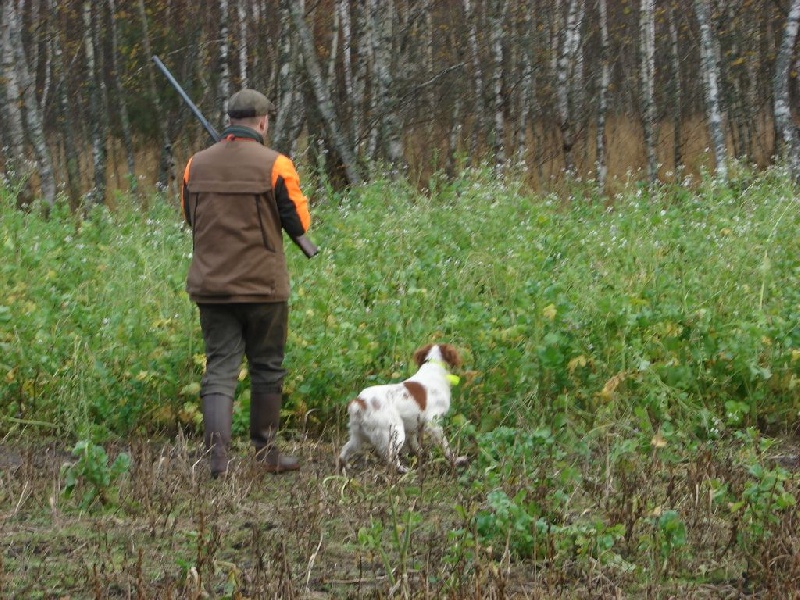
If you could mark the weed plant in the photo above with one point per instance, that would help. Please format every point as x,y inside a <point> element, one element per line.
<point>629,399</point>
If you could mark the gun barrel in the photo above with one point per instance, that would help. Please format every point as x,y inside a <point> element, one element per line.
<point>196,111</point>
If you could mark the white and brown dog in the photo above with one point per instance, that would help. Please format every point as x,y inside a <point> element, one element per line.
<point>389,416</point>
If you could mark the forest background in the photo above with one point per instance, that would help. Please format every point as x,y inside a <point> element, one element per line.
<point>597,90</point>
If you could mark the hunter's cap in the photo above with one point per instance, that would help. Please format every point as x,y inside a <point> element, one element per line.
<point>249,103</point>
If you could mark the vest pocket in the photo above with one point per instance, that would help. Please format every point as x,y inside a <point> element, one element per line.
<point>264,235</point>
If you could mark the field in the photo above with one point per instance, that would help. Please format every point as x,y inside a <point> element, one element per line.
<point>629,400</point>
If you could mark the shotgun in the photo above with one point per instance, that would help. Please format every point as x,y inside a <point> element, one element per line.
<point>301,241</point>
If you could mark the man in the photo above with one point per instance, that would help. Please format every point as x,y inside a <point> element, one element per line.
<point>237,196</point>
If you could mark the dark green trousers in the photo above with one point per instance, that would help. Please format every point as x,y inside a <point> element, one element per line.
<point>233,331</point>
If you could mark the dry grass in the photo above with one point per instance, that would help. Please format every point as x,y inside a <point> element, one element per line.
<point>175,533</point>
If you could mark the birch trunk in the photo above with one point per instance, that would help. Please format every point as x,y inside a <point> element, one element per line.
<point>224,82</point>
<point>241,13</point>
<point>16,168</point>
<point>289,109</point>
<point>787,134</point>
<point>525,96</point>
<point>737,76</point>
<point>382,15</point>
<point>567,77</point>
<point>34,118</point>
<point>343,6</point>
<point>66,116</point>
<point>322,95</point>
<point>166,162</point>
<point>496,28</point>
<point>711,81</point>
<point>127,136</point>
<point>98,193</point>
<point>479,108</point>
<point>676,92</point>
<point>361,74</point>
<point>647,78</point>
<point>601,160</point>
<point>334,51</point>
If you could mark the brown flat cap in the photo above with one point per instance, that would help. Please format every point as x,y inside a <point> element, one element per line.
<point>249,103</point>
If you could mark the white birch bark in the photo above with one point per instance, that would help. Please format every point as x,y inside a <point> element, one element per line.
<point>322,95</point>
<point>496,28</point>
<point>479,108</point>
<point>787,131</point>
<point>361,74</point>
<point>711,79</point>
<point>567,81</point>
<point>334,51</point>
<point>382,15</point>
<point>343,6</point>
<point>224,82</point>
<point>241,14</point>
<point>98,193</point>
<point>288,102</point>
<point>601,160</point>
<point>647,79</point>
<point>16,167</point>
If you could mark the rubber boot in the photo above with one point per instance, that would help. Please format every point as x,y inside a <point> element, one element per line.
<point>265,410</point>
<point>217,416</point>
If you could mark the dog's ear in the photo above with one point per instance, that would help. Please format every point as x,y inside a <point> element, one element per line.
<point>421,355</point>
<point>450,355</point>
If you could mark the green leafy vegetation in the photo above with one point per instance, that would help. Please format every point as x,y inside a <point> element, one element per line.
<point>92,474</point>
<point>629,399</point>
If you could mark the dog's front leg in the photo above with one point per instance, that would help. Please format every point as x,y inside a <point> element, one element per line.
<point>438,435</point>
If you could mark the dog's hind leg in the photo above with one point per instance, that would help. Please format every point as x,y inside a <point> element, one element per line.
<point>390,442</point>
<point>351,447</point>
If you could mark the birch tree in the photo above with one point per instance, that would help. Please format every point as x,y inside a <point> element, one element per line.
<point>166,162</point>
<point>675,90</point>
<point>224,81</point>
<point>66,115</point>
<point>290,108</point>
<point>15,163</point>
<point>241,13</point>
<point>496,28</point>
<point>647,77</point>
<point>526,94</point>
<point>711,78</point>
<point>568,80</point>
<point>322,95</point>
<point>121,100</point>
<point>33,113</point>
<point>787,131</point>
<point>601,160</point>
<point>358,103</point>
<point>479,108</point>
<point>98,192</point>
<point>385,110</point>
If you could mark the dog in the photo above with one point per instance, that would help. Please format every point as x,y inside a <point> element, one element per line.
<point>392,415</point>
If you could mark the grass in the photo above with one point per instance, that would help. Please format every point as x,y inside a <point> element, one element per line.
<point>629,400</point>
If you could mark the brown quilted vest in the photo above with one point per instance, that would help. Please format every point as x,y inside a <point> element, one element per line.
<point>236,231</point>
